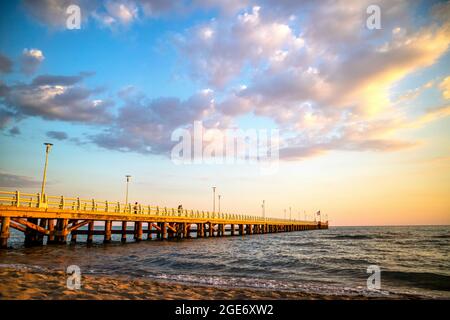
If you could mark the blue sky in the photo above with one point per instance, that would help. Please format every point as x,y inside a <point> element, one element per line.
<point>354,106</point>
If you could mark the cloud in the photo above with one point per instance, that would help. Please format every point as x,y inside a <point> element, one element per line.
<point>58,98</point>
<point>55,80</point>
<point>218,51</point>
<point>117,13</point>
<point>14,131</point>
<point>445,88</point>
<point>430,115</point>
<point>16,181</point>
<point>53,13</point>
<point>5,64</point>
<point>156,8</point>
<point>330,84</point>
<point>30,60</point>
<point>295,153</point>
<point>6,117</point>
<point>312,67</point>
<point>109,13</point>
<point>146,126</point>
<point>58,135</point>
<point>227,7</point>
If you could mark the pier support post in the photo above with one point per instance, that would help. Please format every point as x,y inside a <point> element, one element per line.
<point>170,233</point>
<point>61,231</point>
<point>187,233</point>
<point>158,231</point>
<point>231,229</point>
<point>124,232</point>
<point>51,229</point>
<point>108,226</point>
<point>31,236</point>
<point>163,230</point>
<point>73,235</point>
<point>180,230</point>
<point>4,235</point>
<point>90,236</point>
<point>40,236</point>
<point>200,228</point>
<point>138,231</point>
<point>210,230</point>
<point>241,229</point>
<point>149,231</point>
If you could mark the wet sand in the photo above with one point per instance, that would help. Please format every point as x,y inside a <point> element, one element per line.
<point>24,285</point>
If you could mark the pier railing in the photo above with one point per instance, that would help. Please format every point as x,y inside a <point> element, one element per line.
<point>37,200</point>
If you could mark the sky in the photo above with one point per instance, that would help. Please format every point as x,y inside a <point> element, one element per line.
<point>360,110</point>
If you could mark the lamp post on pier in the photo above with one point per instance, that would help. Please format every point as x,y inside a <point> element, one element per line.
<point>126,195</point>
<point>48,146</point>
<point>263,206</point>
<point>214,199</point>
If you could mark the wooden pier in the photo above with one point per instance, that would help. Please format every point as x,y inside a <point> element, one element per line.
<point>60,219</point>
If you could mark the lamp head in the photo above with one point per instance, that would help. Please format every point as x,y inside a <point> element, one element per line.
<point>48,145</point>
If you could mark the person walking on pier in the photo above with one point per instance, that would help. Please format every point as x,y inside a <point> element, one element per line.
<point>180,209</point>
<point>136,207</point>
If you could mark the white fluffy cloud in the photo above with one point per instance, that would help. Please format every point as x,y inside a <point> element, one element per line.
<point>218,51</point>
<point>30,60</point>
<point>117,13</point>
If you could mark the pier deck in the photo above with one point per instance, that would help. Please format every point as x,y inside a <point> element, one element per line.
<point>59,219</point>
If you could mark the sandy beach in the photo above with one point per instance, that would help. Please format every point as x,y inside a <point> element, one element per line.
<point>25,285</point>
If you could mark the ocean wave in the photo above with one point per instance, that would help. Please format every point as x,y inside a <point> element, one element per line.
<point>424,280</point>
<point>353,237</point>
<point>23,267</point>
<point>266,284</point>
<point>441,236</point>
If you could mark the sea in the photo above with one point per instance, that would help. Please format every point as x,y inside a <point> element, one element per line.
<point>409,261</point>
